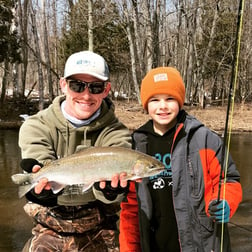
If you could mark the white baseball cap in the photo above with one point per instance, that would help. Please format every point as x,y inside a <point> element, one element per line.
<point>87,62</point>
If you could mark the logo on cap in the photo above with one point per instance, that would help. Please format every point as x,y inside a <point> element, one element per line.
<point>160,77</point>
<point>84,62</point>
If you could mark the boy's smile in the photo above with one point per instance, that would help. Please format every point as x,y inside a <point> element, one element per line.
<point>163,109</point>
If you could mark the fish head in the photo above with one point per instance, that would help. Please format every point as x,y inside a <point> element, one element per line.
<point>146,167</point>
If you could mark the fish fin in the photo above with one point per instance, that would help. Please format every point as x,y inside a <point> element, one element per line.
<point>132,177</point>
<point>23,189</point>
<point>20,178</point>
<point>85,187</point>
<point>56,187</point>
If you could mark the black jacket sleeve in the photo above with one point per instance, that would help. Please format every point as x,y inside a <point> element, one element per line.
<point>111,193</point>
<point>46,197</point>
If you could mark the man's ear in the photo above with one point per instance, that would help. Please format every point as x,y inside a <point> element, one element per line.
<point>63,85</point>
<point>107,89</point>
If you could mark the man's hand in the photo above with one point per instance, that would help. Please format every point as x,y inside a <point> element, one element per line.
<point>32,165</point>
<point>42,184</point>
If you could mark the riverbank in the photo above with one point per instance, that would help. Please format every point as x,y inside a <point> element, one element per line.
<point>133,116</point>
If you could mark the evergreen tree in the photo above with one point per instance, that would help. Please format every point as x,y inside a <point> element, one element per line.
<point>110,39</point>
<point>9,41</point>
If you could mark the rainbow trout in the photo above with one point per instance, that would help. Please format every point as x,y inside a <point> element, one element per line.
<point>89,166</point>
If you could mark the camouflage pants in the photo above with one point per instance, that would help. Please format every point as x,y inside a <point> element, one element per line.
<point>46,240</point>
<point>81,234</point>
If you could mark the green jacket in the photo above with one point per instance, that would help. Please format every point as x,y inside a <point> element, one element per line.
<point>47,135</point>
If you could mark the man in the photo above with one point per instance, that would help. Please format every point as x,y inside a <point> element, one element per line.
<point>82,117</point>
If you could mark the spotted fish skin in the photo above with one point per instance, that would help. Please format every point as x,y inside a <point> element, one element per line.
<point>89,166</point>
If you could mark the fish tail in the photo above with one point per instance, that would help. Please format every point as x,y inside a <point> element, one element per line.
<point>20,178</point>
<point>23,189</point>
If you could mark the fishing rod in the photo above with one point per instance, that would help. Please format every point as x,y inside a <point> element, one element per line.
<point>232,86</point>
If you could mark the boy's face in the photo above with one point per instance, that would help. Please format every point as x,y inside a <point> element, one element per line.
<point>163,109</point>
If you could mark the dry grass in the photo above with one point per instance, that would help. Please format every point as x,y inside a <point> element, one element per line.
<point>132,115</point>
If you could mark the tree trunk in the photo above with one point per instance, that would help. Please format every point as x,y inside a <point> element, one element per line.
<point>192,52</point>
<point>132,53</point>
<point>55,47</point>
<point>149,35</point>
<point>4,81</point>
<point>38,59</point>
<point>15,79</point>
<point>23,17</point>
<point>206,55</point>
<point>90,26</point>
<point>138,44</point>
<point>156,42</point>
<point>47,54</point>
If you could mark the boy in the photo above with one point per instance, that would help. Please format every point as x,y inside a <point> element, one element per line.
<point>176,210</point>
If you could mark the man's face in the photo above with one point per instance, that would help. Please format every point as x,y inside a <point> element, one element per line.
<point>84,104</point>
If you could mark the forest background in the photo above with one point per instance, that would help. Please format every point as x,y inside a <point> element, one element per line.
<point>198,37</point>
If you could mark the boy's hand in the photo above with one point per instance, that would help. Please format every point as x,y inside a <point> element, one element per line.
<point>112,189</point>
<point>117,180</point>
<point>219,211</point>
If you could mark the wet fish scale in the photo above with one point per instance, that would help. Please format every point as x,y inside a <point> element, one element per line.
<point>89,166</point>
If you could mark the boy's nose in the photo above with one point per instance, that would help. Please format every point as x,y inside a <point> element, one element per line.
<point>162,103</point>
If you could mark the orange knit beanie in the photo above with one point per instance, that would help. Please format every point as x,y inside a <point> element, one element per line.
<point>162,80</point>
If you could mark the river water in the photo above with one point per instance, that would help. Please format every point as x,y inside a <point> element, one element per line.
<point>15,225</point>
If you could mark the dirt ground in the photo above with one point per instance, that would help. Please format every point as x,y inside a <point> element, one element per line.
<point>133,116</point>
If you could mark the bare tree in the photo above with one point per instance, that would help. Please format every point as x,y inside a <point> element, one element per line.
<point>138,45</point>
<point>126,11</point>
<point>90,26</point>
<point>47,53</point>
<point>180,33</point>
<point>55,44</point>
<point>4,81</point>
<point>156,31</point>
<point>23,26</point>
<point>149,35</point>
<point>38,57</point>
<point>206,55</point>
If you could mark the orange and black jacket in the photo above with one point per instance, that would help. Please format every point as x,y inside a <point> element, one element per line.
<point>196,164</point>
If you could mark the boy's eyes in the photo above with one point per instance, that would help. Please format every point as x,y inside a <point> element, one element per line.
<point>157,99</point>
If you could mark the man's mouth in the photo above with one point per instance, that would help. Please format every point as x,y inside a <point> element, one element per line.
<point>84,104</point>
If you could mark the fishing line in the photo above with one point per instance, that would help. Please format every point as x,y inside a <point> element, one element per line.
<point>241,227</point>
<point>228,127</point>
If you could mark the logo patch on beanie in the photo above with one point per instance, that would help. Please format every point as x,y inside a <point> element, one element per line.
<point>160,77</point>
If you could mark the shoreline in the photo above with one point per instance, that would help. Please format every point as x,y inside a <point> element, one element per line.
<point>133,116</point>
<point>15,125</point>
